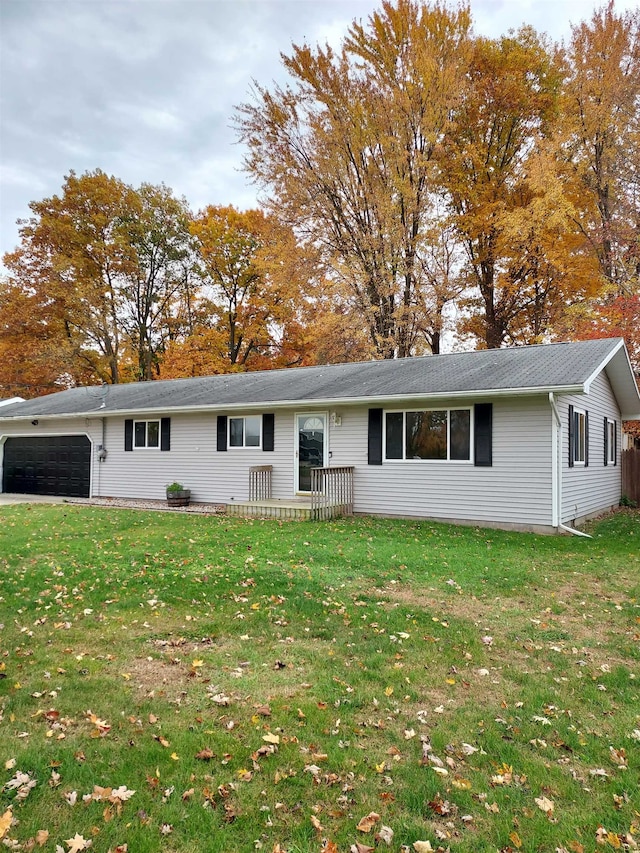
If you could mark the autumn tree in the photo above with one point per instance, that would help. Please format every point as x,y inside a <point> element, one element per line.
<point>601,146</point>
<point>70,257</point>
<point>347,151</point>
<point>34,355</point>
<point>511,215</point>
<point>254,295</point>
<point>104,263</point>
<point>601,109</point>
<point>156,275</point>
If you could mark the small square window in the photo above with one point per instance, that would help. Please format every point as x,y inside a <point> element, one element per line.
<point>245,432</point>
<point>146,434</point>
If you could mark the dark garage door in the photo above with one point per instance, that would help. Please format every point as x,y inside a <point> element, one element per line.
<point>47,465</point>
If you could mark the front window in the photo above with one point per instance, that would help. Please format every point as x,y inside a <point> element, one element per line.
<point>245,432</point>
<point>146,434</point>
<point>441,434</point>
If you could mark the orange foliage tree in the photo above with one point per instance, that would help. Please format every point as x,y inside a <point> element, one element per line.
<point>513,218</point>
<point>102,264</point>
<point>348,152</point>
<point>254,297</point>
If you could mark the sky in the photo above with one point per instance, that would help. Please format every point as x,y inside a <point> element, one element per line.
<point>146,89</point>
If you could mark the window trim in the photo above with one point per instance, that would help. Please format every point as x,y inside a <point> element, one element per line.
<point>146,445</point>
<point>448,460</point>
<point>580,415</point>
<point>244,445</point>
<point>611,442</point>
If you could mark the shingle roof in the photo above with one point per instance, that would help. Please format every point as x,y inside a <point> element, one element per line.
<point>518,370</point>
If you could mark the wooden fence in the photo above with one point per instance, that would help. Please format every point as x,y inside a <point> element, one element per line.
<point>631,475</point>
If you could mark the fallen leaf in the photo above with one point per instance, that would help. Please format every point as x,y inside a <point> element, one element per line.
<point>315,823</point>
<point>205,754</point>
<point>5,822</point>
<point>422,847</point>
<point>77,843</point>
<point>271,738</point>
<point>385,834</point>
<point>545,805</point>
<point>42,836</point>
<point>367,823</point>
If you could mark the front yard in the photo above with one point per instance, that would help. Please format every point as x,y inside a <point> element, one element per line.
<point>188,684</point>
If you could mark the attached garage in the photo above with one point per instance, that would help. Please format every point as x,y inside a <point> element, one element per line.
<point>47,465</point>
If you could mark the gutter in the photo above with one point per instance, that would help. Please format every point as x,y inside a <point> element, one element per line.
<point>556,474</point>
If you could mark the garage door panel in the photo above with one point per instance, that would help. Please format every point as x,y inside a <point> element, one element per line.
<point>47,465</point>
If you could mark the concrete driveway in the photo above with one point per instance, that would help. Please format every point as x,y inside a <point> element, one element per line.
<point>7,499</point>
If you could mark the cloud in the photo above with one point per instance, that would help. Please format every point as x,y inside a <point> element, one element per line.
<point>146,89</point>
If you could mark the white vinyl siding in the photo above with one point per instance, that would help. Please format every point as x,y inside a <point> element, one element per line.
<point>212,476</point>
<point>515,490</point>
<point>587,490</point>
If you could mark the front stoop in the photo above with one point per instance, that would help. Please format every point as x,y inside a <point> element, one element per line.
<point>292,511</point>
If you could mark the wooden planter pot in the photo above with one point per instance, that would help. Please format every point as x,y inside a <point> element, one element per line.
<point>181,498</point>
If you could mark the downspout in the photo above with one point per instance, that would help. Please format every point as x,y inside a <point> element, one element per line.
<point>556,474</point>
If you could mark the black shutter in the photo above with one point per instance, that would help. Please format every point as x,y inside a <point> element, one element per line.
<point>606,441</point>
<point>572,437</point>
<point>586,439</point>
<point>165,434</point>
<point>483,434</point>
<point>222,432</point>
<point>375,437</point>
<point>128,435</point>
<point>268,424</point>
<point>615,442</point>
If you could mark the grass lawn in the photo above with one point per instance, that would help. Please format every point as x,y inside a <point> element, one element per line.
<point>183,683</point>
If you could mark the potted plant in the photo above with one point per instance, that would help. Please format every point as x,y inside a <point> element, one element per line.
<point>177,495</point>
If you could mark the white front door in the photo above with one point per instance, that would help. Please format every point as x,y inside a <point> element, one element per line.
<point>311,447</point>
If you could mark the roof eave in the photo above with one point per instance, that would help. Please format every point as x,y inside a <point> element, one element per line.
<point>617,366</point>
<point>315,403</point>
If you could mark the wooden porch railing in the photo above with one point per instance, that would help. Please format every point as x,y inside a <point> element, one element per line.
<point>260,483</point>
<point>331,492</point>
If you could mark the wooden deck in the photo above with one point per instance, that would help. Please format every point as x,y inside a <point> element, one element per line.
<point>331,496</point>
<point>297,510</point>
